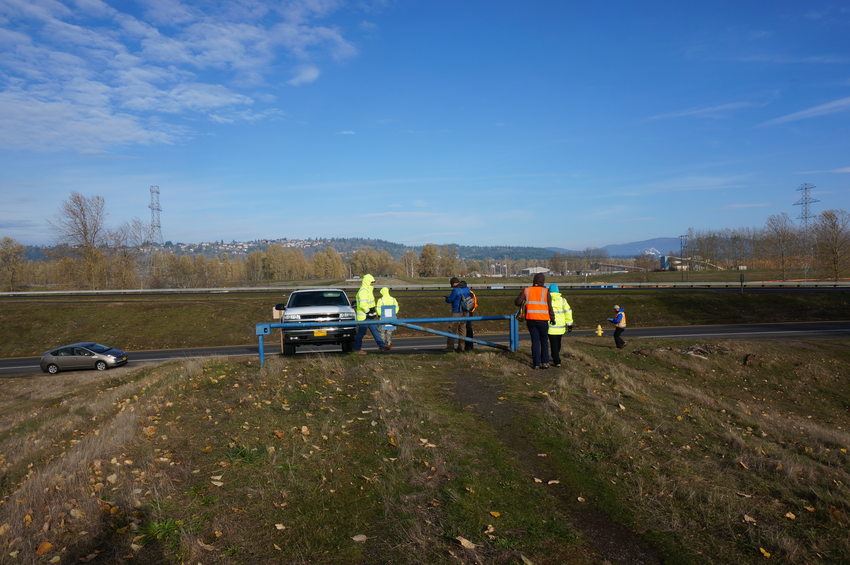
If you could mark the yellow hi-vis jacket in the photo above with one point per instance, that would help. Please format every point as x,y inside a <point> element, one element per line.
<point>563,315</point>
<point>386,300</point>
<point>365,298</point>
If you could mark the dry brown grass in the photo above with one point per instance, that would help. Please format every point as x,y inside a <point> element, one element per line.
<point>706,447</point>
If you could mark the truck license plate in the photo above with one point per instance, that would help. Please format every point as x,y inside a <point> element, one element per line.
<point>320,333</point>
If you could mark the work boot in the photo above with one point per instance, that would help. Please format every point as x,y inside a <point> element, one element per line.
<point>360,352</point>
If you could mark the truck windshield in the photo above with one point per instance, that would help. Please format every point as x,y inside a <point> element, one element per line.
<point>318,298</point>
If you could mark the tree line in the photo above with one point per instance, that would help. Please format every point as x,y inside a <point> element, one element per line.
<point>93,256</point>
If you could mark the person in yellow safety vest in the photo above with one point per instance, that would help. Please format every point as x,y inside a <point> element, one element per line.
<point>537,304</point>
<point>364,307</point>
<point>562,323</point>
<point>386,330</point>
<point>619,322</point>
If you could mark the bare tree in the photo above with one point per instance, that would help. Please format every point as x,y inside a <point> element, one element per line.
<point>832,243</point>
<point>80,224</point>
<point>429,261</point>
<point>781,241</point>
<point>11,262</point>
<point>81,221</point>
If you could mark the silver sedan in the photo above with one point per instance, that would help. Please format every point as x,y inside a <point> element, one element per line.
<point>86,355</point>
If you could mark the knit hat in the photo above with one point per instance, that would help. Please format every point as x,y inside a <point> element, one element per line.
<point>616,307</point>
<point>554,288</point>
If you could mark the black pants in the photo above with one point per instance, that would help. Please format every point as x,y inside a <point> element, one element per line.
<point>618,339</point>
<point>555,348</point>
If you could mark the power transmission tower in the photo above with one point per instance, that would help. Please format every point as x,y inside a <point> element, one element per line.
<point>684,241</point>
<point>805,201</point>
<point>156,227</point>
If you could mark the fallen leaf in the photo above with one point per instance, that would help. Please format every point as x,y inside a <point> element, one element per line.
<point>495,514</point>
<point>536,480</point>
<point>554,482</point>
<point>279,434</point>
<point>217,483</point>
<point>744,465</point>
<point>205,546</point>
<point>621,407</point>
<point>581,499</point>
<point>466,543</point>
<point>790,516</point>
<point>360,538</point>
<point>280,526</point>
<point>526,560</point>
<point>765,552</point>
<point>745,495</point>
<point>43,548</point>
<point>305,431</point>
<point>809,508</point>
<point>277,547</point>
<point>490,529</point>
<point>749,519</point>
<point>4,529</point>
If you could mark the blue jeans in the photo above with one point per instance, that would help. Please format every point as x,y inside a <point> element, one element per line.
<point>539,332</point>
<point>361,331</point>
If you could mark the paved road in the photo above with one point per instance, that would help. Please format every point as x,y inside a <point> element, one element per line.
<point>25,366</point>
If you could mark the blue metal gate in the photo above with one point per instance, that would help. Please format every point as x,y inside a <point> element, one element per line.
<point>265,329</point>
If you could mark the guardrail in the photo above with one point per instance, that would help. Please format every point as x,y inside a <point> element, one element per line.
<point>264,329</point>
<point>439,287</point>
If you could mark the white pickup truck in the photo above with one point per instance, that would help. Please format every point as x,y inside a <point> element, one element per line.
<point>317,305</point>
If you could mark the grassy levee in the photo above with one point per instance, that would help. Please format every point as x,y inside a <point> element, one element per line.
<point>33,325</point>
<point>677,451</point>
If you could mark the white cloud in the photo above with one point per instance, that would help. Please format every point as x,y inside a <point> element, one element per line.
<point>840,105</point>
<point>742,206</point>
<point>841,170</point>
<point>121,71</point>
<point>709,111</point>
<point>304,75</point>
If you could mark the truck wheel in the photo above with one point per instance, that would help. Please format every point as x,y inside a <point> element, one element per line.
<point>288,349</point>
<point>347,346</point>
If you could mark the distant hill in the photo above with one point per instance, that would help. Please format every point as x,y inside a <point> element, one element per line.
<point>661,245</point>
<point>657,246</point>
<point>346,246</point>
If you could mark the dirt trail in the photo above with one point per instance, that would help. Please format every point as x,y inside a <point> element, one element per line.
<point>613,542</point>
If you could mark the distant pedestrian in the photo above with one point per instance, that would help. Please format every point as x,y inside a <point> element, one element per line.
<point>536,302</point>
<point>619,321</point>
<point>469,346</point>
<point>386,330</point>
<point>560,324</point>
<point>364,308</point>
<point>455,298</point>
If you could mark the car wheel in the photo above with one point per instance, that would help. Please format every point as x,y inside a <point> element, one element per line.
<point>288,349</point>
<point>347,346</point>
<point>100,365</point>
<point>52,369</point>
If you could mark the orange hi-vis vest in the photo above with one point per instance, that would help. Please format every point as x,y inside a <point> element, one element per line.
<point>620,319</point>
<point>536,305</point>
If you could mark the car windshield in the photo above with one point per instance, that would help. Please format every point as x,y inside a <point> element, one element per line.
<point>318,298</point>
<point>98,348</point>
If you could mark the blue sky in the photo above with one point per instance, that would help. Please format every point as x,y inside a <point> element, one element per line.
<point>544,123</point>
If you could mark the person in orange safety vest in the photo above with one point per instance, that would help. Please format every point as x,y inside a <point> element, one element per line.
<point>536,302</point>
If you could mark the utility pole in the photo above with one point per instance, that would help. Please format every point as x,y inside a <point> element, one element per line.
<point>683,250</point>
